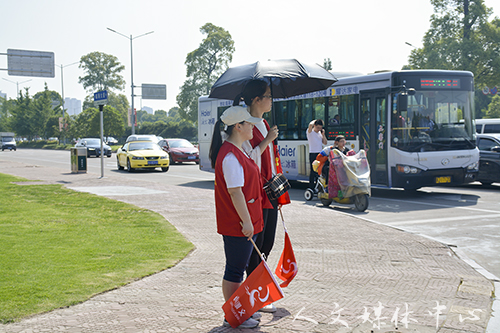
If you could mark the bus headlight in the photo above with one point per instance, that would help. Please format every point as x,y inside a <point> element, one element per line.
<point>407,169</point>
<point>473,167</point>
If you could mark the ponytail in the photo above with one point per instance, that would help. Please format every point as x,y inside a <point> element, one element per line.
<point>217,140</point>
<point>237,100</point>
<point>215,144</point>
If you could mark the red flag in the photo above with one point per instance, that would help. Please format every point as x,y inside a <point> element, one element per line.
<point>258,290</point>
<point>287,265</point>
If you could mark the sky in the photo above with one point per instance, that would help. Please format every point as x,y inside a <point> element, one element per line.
<point>358,36</point>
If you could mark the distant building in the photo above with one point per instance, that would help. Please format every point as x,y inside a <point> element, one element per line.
<point>148,109</point>
<point>73,106</point>
<point>3,95</point>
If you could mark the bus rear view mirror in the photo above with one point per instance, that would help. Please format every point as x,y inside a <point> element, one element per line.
<point>402,102</point>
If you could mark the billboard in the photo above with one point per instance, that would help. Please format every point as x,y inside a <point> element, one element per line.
<point>154,91</point>
<point>30,63</point>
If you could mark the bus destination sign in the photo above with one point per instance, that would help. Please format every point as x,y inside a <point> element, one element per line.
<point>440,83</point>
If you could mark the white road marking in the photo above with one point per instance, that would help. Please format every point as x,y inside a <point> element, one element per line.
<point>444,219</point>
<point>444,206</point>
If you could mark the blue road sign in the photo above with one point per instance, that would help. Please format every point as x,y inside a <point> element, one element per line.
<point>101,97</point>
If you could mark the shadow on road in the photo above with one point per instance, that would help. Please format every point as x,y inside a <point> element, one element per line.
<point>204,184</point>
<point>425,199</point>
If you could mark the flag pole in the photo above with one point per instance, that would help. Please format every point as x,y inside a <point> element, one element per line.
<point>282,219</point>
<point>257,249</point>
<point>255,246</point>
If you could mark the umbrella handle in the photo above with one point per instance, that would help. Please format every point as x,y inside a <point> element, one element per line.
<point>273,114</point>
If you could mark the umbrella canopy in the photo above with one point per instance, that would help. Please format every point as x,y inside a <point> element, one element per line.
<point>287,77</point>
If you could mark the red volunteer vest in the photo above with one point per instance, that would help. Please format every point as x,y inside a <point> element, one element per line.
<point>228,220</point>
<point>266,166</point>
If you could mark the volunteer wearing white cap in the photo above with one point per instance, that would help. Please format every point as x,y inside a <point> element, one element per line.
<point>264,151</point>
<point>238,196</point>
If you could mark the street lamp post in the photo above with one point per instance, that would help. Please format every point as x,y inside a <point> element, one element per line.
<point>131,71</point>
<point>62,93</point>
<point>17,83</point>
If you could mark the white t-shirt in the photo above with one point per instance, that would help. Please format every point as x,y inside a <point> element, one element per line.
<point>255,153</point>
<point>233,171</point>
<point>315,140</point>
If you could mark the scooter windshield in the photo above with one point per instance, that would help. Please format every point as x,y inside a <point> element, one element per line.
<point>353,172</point>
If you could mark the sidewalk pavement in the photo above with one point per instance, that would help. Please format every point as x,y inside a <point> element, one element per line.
<point>354,275</point>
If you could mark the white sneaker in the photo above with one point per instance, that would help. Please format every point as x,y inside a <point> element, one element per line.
<point>268,308</point>
<point>256,316</point>
<point>249,323</point>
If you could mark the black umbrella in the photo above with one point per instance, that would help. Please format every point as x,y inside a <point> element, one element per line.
<point>287,78</point>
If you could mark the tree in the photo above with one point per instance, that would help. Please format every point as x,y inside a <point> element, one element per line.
<point>55,99</point>
<point>42,110</point>
<point>494,108</point>
<point>102,72</point>
<point>6,107</point>
<point>327,64</point>
<point>461,38</point>
<point>88,123</point>
<point>37,116</point>
<point>204,66</point>
<point>21,114</point>
<point>118,101</point>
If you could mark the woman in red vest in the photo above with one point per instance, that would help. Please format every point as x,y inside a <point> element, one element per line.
<point>264,151</point>
<point>238,197</point>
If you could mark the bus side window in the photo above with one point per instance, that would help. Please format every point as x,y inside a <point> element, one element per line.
<point>492,128</point>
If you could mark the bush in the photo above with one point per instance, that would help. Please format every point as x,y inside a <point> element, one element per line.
<point>44,144</point>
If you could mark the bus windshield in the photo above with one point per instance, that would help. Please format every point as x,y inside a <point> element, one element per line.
<point>434,121</point>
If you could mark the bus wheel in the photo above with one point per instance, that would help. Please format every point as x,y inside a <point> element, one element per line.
<point>361,202</point>
<point>309,194</point>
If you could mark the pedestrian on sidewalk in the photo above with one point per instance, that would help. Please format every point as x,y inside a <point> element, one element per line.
<point>316,139</point>
<point>264,151</point>
<point>238,197</point>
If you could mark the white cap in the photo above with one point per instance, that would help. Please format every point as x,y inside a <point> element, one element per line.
<point>237,114</point>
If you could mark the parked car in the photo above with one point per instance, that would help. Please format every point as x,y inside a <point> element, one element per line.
<point>144,137</point>
<point>180,150</point>
<point>110,140</point>
<point>141,154</point>
<point>487,126</point>
<point>93,146</point>
<point>489,158</point>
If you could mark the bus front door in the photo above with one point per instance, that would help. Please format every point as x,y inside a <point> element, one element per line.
<point>373,138</point>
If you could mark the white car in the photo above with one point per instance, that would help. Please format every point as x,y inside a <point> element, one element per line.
<point>110,140</point>
<point>144,137</point>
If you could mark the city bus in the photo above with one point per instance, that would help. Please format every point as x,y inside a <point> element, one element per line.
<point>417,127</point>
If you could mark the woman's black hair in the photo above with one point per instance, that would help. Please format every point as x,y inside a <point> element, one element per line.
<point>217,141</point>
<point>253,89</point>
<point>339,137</point>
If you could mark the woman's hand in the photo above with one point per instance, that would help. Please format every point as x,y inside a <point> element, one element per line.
<point>273,133</point>
<point>247,229</point>
<point>239,203</point>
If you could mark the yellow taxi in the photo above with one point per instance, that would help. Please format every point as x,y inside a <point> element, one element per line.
<point>142,155</point>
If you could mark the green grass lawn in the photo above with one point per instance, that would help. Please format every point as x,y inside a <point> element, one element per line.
<point>59,247</point>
